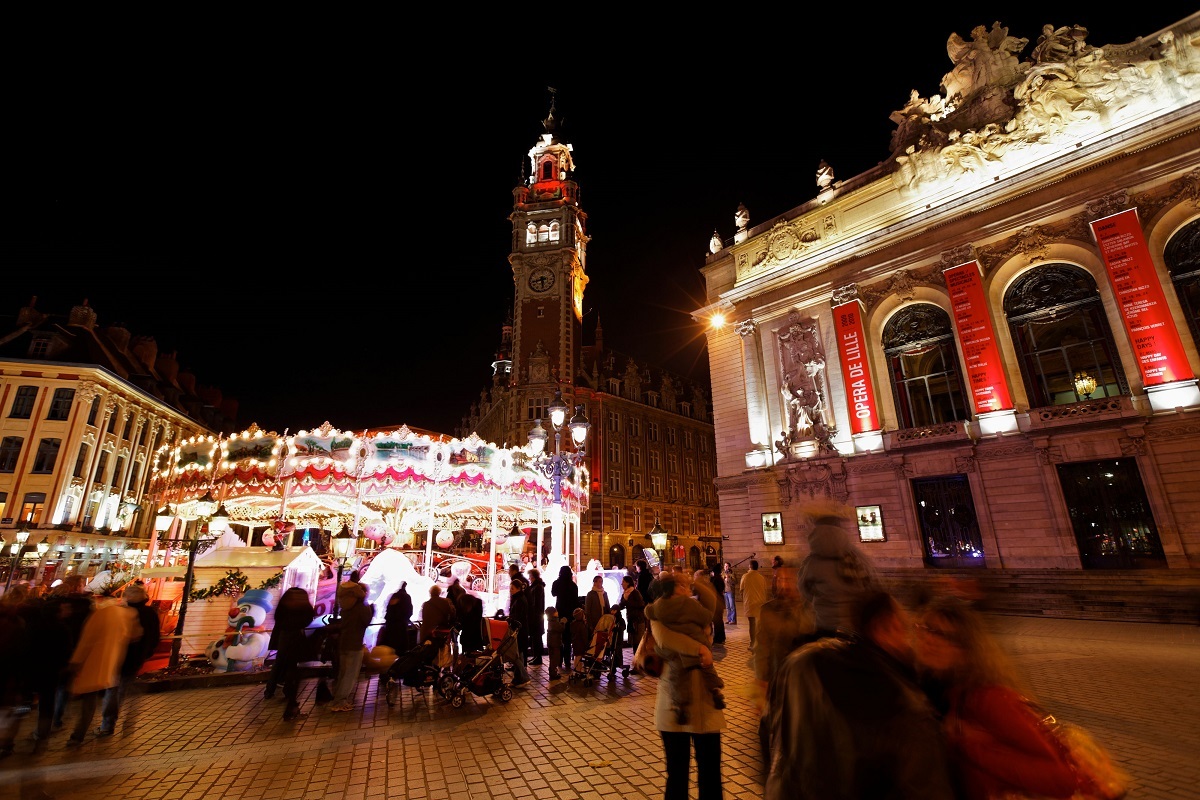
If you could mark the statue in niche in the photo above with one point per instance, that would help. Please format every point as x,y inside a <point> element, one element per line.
<point>804,395</point>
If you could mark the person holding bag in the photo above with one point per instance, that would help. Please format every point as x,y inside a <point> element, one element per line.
<point>1000,746</point>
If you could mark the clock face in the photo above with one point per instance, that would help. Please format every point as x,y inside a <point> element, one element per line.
<point>541,279</point>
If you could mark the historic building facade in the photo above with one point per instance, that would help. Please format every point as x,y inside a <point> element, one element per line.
<point>83,410</point>
<point>651,454</point>
<point>987,345</point>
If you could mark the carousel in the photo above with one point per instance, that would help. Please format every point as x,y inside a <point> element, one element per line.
<point>397,506</point>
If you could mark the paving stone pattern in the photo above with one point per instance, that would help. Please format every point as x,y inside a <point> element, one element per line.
<point>1135,685</point>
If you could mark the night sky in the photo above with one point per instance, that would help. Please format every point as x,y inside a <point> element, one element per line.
<point>322,232</point>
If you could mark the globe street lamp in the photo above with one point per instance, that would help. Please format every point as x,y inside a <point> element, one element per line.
<point>17,549</point>
<point>343,549</point>
<point>558,465</point>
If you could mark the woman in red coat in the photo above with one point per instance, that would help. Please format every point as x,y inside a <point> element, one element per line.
<point>997,743</point>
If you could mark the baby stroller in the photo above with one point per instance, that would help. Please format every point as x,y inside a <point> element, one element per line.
<point>597,659</point>
<point>481,673</point>
<point>419,667</point>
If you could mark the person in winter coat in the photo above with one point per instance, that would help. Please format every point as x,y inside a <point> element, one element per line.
<point>754,588</point>
<point>712,577</point>
<point>469,611</point>
<point>14,662</point>
<point>556,628</point>
<point>835,574</point>
<point>293,615</point>
<point>49,644</point>
<point>566,600</point>
<point>354,617</point>
<point>594,604</point>
<point>518,614</point>
<point>634,605</point>
<point>537,622</point>
<point>644,578</point>
<point>701,731</point>
<point>96,662</point>
<point>140,649</point>
<point>437,613</point>
<point>396,619</point>
<point>74,605</point>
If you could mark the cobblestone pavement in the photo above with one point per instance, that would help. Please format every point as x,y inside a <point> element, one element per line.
<point>1136,686</point>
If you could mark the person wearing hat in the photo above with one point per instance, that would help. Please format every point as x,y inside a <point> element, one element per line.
<point>137,653</point>
<point>351,625</point>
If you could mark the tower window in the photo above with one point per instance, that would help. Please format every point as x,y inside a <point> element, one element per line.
<point>548,170</point>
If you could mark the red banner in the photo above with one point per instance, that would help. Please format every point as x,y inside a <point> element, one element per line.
<point>860,389</point>
<point>1139,294</point>
<point>985,370</point>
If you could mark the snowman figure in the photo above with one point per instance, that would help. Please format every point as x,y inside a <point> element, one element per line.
<point>245,640</point>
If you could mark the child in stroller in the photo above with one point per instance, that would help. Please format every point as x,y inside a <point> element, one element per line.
<point>481,672</point>
<point>423,665</point>
<point>598,658</point>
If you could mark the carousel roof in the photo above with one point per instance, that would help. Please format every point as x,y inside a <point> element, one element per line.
<point>327,477</point>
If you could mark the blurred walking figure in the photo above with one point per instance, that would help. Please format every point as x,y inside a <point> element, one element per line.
<point>74,606</point>
<point>754,593</point>
<point>998,745</point>
<point>96,662</point>
<point>293,615</point>
<point>709,577</point>
<point>136,653</point>
<point>785,623</point>
<point>14,654</point>
<point>849,721</point>
<point>698,728</point>
<point>835,574</point>
<point>728,590</point>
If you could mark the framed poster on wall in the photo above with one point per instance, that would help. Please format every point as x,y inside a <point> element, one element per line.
<point>870,524</point>
<point>772,524</point>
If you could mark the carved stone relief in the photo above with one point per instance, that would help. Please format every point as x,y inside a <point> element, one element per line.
<point>804,386</point>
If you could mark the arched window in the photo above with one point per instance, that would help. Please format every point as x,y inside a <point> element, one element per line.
<point>548,169</point>
<point>1062,338</point>
<point>923,365</point>
<point>530,233</point>
<point>1183,262</point>
<point>544,233</point>
<point>554,231</point>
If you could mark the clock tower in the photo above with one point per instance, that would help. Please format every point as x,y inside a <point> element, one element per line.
<point>549,251</point>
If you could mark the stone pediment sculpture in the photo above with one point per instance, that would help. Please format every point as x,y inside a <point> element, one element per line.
<point>998,112</point>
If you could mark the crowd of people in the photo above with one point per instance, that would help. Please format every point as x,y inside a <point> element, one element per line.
<point>858,695</point>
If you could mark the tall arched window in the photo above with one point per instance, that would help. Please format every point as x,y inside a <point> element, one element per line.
<point>923,365</point>
<point>1063,342</point>
<point>1183,262</point>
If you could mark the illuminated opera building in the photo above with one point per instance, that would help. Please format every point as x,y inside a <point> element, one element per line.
<point>987,345</point>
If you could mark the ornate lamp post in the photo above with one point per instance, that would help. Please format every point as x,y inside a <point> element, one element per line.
<point>659,537</point>
<point>17,549</point>
<point>559,466</point>
<point>205,507</point>
<point>343,549</point>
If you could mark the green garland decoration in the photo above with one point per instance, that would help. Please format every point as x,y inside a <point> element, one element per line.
<point>272,582</point>
<point>234,584</point>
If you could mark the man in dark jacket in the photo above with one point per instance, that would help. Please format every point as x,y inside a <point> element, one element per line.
<point>566,600</point>
<point>136,654</point>
<point>848,720</point>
